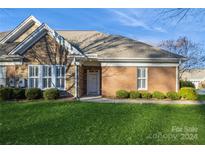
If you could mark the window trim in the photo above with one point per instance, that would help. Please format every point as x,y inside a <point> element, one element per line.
<point>47,77</point>
<point>140,78</point>
<point>53,76</point>
<point>33,77</point>
<point>61,76</point>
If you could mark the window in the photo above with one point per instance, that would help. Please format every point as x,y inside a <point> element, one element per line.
<point>2,76</point>
<point>60,77</point>
<point>142,78</point>
<point>47,76</point>
<point>33,76</point>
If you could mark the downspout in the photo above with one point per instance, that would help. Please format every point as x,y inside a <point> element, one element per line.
<point>76,79</point>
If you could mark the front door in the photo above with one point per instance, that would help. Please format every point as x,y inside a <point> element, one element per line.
<point>93,82</point>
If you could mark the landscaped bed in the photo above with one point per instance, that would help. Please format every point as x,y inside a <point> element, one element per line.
<point>63,122</point>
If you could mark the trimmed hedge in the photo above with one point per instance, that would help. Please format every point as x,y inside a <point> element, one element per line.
<point>122,94</point>
<point>18,93</point>
<point>134,94</point>
<point>145,94</point>
<point>188,93</point>
<point>158,95</point>
<point>33,93</point>
<point>6,93</point>
<point>173,95</point>
<point>186,84</point>
<point>50,94</point>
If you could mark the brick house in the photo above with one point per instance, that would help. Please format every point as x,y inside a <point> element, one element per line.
<point>83,62</point>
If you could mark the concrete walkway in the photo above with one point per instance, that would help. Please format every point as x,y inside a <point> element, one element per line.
<point>100,99</point>
<point>201,91</point>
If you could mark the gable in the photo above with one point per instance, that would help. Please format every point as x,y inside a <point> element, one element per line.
<point>26,33</point>
<point>24,27</point>
<point>46,51</point>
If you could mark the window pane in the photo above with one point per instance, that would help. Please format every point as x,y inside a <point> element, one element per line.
<point>49,71</point>
<point>49,82</point>
<point>36,72</point>
<point>57,71</point>
<point>139,72</point>
<point>63,71</point>
<point>57,83</point>
<point>143,72</point>
<point>44,83</point>
<point>30,71</point>
<point>46,70</point>
<point>143,82</point>
<point>62,83</point>
<point>31,83</point>
<point>36,83</point>
<point>139,85</point>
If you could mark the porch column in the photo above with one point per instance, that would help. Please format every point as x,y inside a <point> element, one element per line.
<point>76,80</point>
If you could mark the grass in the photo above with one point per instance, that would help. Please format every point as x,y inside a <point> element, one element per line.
<point>59,122</point>
<point>201,97</point>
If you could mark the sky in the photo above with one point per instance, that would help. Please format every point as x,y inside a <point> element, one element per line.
<point>140,24</point>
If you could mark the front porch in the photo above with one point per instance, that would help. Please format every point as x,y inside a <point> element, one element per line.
<point>89,80</point>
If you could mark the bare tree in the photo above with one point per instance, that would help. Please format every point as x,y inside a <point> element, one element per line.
<point>180,14</point>
<point>194,52</point>
<point>48,51</point>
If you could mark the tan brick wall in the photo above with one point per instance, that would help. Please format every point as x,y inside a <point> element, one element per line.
<point>45,51</point>
<point>162,79</point>
<point>116,78</point>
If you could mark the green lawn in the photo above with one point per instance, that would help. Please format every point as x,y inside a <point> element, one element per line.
<point>89,123</point>
<point>201,97</point>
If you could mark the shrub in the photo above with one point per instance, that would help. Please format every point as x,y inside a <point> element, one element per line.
<point>33,93</point>
<point>158,95</point>
<point>186,84</point>
<point>134,94</point>
<point>145,94</point>
<point>19,93</point>
<point>51,94</point>
<point>6,93</point>
<point>173,95</point>
<point>188,93</point>
<point>122,94</point>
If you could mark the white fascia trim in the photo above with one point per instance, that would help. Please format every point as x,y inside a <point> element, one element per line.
<point>141,64</point>
<point>37,31</point>
<point>13,32</point>
<point>53,34</point>
<point>124,58</point>
<point>10,63</point>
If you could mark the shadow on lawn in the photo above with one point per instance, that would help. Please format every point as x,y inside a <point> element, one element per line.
<point>89,123</point>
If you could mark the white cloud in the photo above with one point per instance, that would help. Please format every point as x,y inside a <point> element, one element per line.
<point>160,29</point>
<point>127,19</point>
<point>133,18</point>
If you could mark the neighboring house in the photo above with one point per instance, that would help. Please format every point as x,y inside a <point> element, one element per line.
<point>196,76</point>
<point>83,62</point>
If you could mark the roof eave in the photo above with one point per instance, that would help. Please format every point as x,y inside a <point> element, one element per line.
<point>150,60</point>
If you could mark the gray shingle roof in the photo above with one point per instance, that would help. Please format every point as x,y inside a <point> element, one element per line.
<point>105,45</point>
<point>114,46</point>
